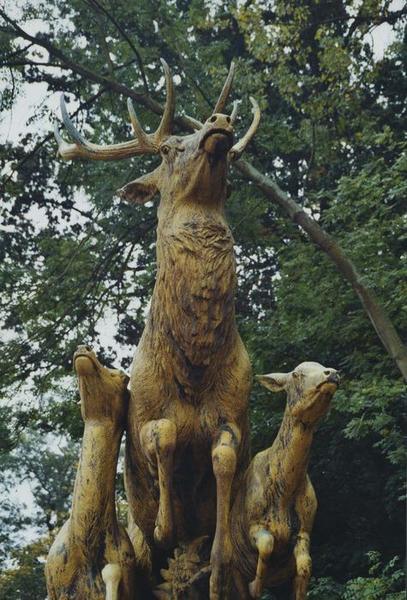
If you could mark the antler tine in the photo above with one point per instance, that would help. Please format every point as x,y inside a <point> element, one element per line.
<point>60,140</point>
<point>165,126</point>
<point>70,127</point>
<point>194,122</point>
<point>236,151</point>
<point>139,132</point>
<point>233,114</point>
<point>84,149</point>
<point>224,95</point>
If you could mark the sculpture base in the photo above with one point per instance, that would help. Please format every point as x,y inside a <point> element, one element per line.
<point>188,572</point>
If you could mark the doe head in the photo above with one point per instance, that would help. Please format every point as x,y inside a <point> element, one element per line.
<point>310,388</point>
<point>103,391</point>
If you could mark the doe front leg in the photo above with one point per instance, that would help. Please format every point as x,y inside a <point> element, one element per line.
<point>303,566</point>
<point>263,541</point>
<point>224,458</point>
<point>158,440</point>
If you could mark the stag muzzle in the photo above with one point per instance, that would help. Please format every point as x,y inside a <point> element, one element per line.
<point>217,134</point>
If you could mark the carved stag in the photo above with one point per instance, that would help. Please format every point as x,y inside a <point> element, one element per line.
<point>188,434</point>
<point>274,511</point>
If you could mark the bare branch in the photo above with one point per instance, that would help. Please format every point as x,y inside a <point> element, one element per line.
<point>125,37</point>
<point>388,17</point>
<point>80,69</point>
<point>377,314</point>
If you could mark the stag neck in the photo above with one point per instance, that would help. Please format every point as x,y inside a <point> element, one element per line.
<point>197,215</point>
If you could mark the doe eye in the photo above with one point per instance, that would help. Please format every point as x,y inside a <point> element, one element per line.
<point>164,149</point>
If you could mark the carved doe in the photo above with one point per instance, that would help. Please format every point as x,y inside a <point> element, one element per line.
<point>273,514</point>
<point>191,376</point>
<point>92,556</point>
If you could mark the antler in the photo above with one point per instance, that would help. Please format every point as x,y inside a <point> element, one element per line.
<point>237,150</point>
<point>224,95</point>
<point>222,100</point>
<point>143,144</point>
<point>240,146</point>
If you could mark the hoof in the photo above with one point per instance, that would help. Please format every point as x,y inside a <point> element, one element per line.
<point>163,537</point>
<point>255,589</point>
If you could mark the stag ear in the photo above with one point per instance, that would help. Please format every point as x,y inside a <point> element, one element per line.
<point>140,190</point>
<point>276,382</point>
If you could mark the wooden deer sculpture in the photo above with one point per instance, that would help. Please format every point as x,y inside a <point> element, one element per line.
<point>274,511</point>
<point>190,379</point>
<point>92,556</point>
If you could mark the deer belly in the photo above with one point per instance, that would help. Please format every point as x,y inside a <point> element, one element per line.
<point>164,385</point>
<point>284,530</point>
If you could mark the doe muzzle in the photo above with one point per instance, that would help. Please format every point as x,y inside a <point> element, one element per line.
<point>334,377</point>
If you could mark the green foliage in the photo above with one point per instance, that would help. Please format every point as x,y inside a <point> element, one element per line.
<point>74,262</point>
<point>25,579</point>
<point>384,582</point>
<point>47,465</point>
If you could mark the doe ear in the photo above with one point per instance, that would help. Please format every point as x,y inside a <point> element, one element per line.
<point>140,190</point>
<point>276,382</point>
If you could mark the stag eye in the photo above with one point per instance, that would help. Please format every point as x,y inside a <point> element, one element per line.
<point>164,149</point>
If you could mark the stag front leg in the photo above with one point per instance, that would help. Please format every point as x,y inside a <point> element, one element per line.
<point>224,459</point>
<point>158,440</point>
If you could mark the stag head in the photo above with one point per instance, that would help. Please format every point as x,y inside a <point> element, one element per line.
<point>193,167</point>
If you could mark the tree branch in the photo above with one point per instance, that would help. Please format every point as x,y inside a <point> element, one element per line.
<point>17,52</point>
<point>119,88</point>
<point>125,37</point>
<point>377,314</point>
<point>387,17</point>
